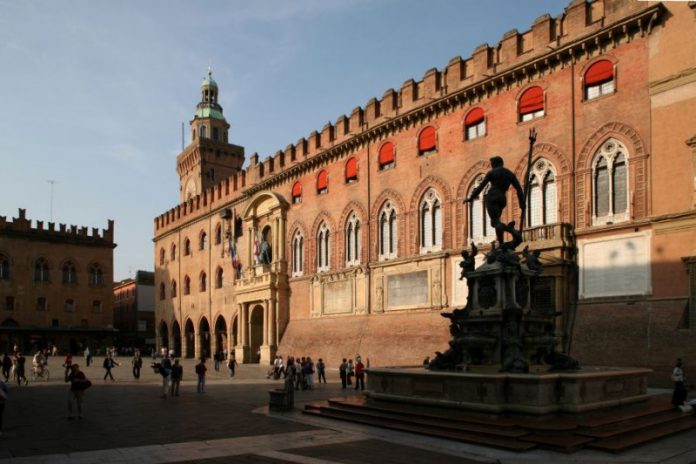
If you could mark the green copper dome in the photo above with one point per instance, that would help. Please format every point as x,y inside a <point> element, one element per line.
<point>208,112</point>
<point>209,81</point>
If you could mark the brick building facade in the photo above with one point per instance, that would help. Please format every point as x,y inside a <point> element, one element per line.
<point>365,218</point>
<point>134,311</point>
<point>55,285</point>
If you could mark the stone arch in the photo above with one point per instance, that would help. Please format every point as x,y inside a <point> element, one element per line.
<point>637,170</point>
<point>401,212</point>
<point>311,242</point>
<point>588,64</point>
<point>262,203</point>
<point>188,349</point>
<point>445,192</point>
<point>352,206</point>
<point>204,334</point>
<point>176,337</point>
<point>555,156</point>
<point>465,185</point>
<point>220,333</point>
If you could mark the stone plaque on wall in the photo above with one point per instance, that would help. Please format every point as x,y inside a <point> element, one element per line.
<point>407,289</point>
<point>460,290</point>
<point>337,297</point>
<point>615,266</point>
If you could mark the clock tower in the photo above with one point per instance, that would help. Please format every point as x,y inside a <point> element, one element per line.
<point>209,158</point>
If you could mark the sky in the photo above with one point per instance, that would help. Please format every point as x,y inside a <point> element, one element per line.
<point>93,92</point>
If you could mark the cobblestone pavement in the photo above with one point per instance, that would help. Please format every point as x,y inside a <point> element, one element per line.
<point>125,421</point>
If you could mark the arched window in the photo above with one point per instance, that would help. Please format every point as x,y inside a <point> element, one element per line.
<point>187,285</point>
<point>96,306</point>
<point>96,275</point>
<point>610,183</point>
<point>173,293</point>
<point>41,270</point>
<point>353,242</point>
<point>297,192</point>
<point>430,222</point>
<point>542,206</point>
<point>203,132</point>
<point>219,277</point>
<point>599,79</point>
<point>480,229</point>
<point>352,170</point>
<point>475,124</point>
<point>172,253</point>
<point>69,305</point>
<point>531,104</point>
<point>69,273</point>
<point>297,254</point>
<point>161,257</point>
<point>387,232</point>
<point>203,241</point>
<point>202,282</point>
<point>4,268</point>
<point>387,156</point>
<point>322,183</point>
<point>162,292</point>
<point>427,141</point>
<point>216,133</point>
<point>218,234</point>
<point>187,247</point>
<point>323,247</point>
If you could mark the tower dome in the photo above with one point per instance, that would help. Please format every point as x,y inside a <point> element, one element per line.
<point>209,81</point>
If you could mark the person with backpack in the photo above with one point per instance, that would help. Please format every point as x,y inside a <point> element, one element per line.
<point>200,372</point>
<point>109,364</point>
<point>177,375</point>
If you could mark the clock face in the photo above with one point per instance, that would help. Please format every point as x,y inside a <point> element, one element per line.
<point>190,189</point>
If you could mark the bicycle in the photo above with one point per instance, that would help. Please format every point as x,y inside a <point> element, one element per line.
<point>40,373</point>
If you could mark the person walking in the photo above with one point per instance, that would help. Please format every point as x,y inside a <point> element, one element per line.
<point>78,385</point>
<point>177,375</point>
<point>20,362</point>
<point>200,372</point>
<point>109,364</point>
<point>343,372</point>
<point>88,357</point>
<point>166,372</point>
<point>67,363</point>
<point>350,372</point>
<point>679,393</point>
<point>321,371</point>
<point>231,365</point>
<point>310,373</point>
<point>137,364</point>
<point>359,374</point>
<point>6,366</point>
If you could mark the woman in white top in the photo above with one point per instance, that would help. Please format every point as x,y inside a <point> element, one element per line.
<point>679,394</point>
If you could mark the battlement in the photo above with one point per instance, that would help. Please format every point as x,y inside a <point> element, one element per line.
<point>516,57</point>
<point>21,225</point>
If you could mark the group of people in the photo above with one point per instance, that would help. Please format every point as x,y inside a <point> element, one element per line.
<point>13,367</point>
<point>347,370</point>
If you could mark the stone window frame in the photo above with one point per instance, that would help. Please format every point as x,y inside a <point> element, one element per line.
<point>187,246</point>
<point>488,235</point>
<point>69,305</point>
<point>173,289</point>
<point>96,275</point>
<point>388,218</point>
<point>5,270</point>
<point>218,234</point>
<point>42,270</point>
<point>430,202</point>
<point>541,170</point>
<point>323,258</point>
<point>172,252</point>
<point>219,277</point>
<point>202,282</point>
<point>68,273</point>
<point>162,256</point>
<point>353,240</point>
<point>202,240</point>
<point>297,254</point>
<point>187,285</point>
<point>610,153</point>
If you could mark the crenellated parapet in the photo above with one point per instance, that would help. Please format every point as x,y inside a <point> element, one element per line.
<point>22,226</point>
<point>584,29</point>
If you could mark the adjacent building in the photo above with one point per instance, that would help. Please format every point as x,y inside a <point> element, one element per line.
<point>134,311</point>
<point>348,241</point>
<point>55,285</point>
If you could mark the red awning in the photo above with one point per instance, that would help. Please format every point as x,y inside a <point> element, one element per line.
<point>322,180</point>
<point>297,190</point>
<point>426,142</point>
<point>386,154</point>
<point>352,169</point>
<point>599,72</point>
<point>532,100</point>
<point>475,116</point>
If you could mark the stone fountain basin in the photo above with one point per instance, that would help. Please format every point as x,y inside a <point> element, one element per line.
<point>484,389</point>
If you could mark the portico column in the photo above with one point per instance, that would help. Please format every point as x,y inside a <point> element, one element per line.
<point>196,344</point>
<point>182,344</point>
<point>243,324</point>
<point>265,322</point>
<point>282,241</point>
<point>272,321</point>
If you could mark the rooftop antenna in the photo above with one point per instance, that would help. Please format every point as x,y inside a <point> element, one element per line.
<point>52,182</point>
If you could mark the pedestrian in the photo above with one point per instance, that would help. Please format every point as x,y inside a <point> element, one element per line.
<point>78,385</point>
<point>343,372</point>
<point>321,369</point>
<point>200,372</point>
<point>350,372</point>
<point>88,357</point>
<point>231,365</point>
<point>216,361</point>
<point>300,371</point>
<point>165,372</point>
<point>3,399</point>
<point>679,394</point>
<point>310,373</point>
<point>137,364</point>
<point>67,362</point>
<point>6,366</point>
<point>20,362</point>
<point>109,363</point>
<point>359,374</point>
<point>177,375</point>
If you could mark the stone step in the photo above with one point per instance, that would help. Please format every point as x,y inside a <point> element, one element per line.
<point>467,437</point>
<point>440,423</point>
<point>657,404</point>
<point>631,425</point>
<point>621,442</point>
<point>563,442</point>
